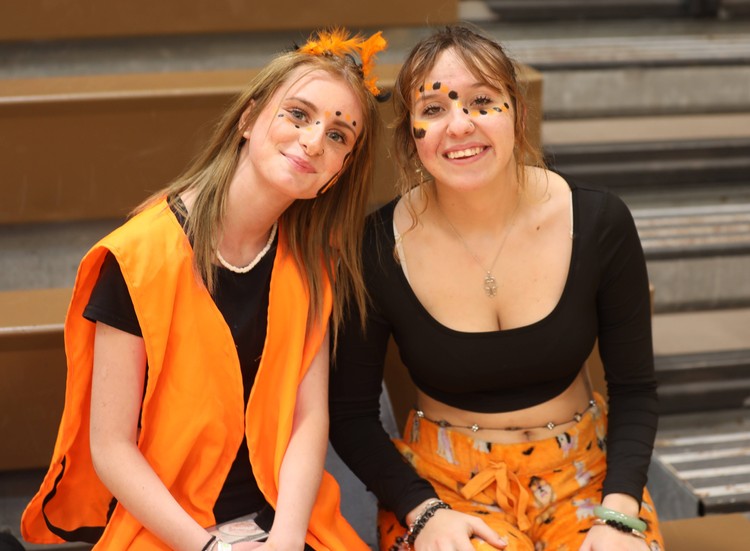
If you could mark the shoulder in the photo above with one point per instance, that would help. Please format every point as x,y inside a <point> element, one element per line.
<point>151,223</point>
<point>598,208</point>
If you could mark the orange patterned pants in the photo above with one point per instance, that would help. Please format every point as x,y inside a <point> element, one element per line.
<point>540,495</point>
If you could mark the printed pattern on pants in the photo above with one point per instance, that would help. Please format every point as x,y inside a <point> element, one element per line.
<point>538,495</point>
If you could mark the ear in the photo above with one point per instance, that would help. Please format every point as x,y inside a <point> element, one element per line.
<point>242,126</point>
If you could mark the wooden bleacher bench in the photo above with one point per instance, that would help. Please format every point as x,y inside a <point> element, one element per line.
<point>32,375</point>
<point>76,19</point>
<point>126,136</point>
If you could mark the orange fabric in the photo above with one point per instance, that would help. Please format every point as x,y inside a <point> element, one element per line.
<point>539,495</point>
<point>192,413</point>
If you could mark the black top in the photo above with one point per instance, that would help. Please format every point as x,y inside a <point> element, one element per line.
<point>606,295</point>
<point>243,301</point>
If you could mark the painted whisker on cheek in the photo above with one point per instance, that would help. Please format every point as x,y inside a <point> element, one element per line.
<point>419,130</point>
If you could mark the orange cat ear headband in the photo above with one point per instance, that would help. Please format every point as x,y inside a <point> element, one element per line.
<point>337,42</point>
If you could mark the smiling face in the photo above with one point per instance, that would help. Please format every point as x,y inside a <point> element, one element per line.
<point>463,127</point>
<point>301,140</point>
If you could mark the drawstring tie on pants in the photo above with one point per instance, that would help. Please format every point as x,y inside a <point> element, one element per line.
<point>510,494</point>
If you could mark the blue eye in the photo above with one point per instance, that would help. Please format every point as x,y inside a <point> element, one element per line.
<point>297,114</point>
<point>337,136</point>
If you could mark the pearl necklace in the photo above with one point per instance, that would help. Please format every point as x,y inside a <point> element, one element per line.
<point>254,261</point>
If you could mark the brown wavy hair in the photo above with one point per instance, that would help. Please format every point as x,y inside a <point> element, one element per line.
<point>489,63</point>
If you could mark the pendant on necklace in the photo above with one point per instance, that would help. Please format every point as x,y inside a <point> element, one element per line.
<point>490,285</point>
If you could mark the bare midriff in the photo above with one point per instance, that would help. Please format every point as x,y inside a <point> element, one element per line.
<point>512,427</point>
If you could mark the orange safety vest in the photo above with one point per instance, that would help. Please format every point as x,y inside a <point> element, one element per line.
<point>193,412</point>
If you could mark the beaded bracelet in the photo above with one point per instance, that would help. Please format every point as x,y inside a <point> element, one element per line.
<point>209,544</point>
<point>610,514</point>
<point>416,527</point>
<point>621,527</point>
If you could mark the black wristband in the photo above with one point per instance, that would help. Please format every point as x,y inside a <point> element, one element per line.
<point>422,519</point>
<point>209,543</point>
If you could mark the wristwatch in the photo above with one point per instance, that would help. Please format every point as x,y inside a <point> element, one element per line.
<point>224,546</point>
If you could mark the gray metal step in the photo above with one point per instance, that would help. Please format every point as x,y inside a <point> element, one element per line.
<point>706,381</point>
<point>645,165</point>
<point>705,457</point>
<point>694,231</point>
<point>525,10</point>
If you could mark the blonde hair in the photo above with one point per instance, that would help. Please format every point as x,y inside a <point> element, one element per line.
<point>323,234</point>
<point>488,62</point>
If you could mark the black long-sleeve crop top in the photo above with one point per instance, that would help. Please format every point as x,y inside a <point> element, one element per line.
<point>606,296</point>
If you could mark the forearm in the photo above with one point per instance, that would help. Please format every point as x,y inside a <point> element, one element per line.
<point>299,478</point>
<point>631,431</point>
<point>137,488</point>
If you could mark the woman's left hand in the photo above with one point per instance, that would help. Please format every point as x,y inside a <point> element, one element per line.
<point>606,538</point>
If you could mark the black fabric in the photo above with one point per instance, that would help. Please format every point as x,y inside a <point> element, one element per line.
<point>243,301</point>
<point>606,295</point>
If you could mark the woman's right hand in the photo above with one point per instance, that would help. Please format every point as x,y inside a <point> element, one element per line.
<point>449,529</point>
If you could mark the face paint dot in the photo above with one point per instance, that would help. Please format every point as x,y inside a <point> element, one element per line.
<point>338,113</point>
<point>419,133</point>
<point>436,86</point>
<point>506,105</point>
<point>317,122</point>
<point>465,110</point>
<point>296,126</point>
<point>482,112</point>
<point>421,88</point>
<point>354,123</point>
<point>453,94</point>
<point>280,115</point>
<point>498,109</point>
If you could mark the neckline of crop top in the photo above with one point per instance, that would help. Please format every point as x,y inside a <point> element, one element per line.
<point>394,241</point>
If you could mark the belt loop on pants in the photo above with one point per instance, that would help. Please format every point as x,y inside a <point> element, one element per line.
<point>509,498</point>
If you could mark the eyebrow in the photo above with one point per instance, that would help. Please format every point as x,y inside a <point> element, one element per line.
<point>337,121</point>
<point>429,94</point>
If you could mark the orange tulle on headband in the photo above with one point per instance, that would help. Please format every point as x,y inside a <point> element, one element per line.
<point>337,42</point>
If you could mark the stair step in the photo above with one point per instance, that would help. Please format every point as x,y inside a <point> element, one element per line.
<point>644,51</point>
<point>644,165</point>
<point>704,396</point>
<point>703,366</point>
<point>524,10</point>
<point>704,381</point>
<point>694,231</point>
<point>707,454</point>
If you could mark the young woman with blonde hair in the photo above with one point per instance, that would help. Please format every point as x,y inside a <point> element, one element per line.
<point>198,333</point>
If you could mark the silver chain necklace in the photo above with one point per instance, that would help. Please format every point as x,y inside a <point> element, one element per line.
<point>490,283</point>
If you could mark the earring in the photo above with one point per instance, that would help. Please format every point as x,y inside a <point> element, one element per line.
<point>422,175</point>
